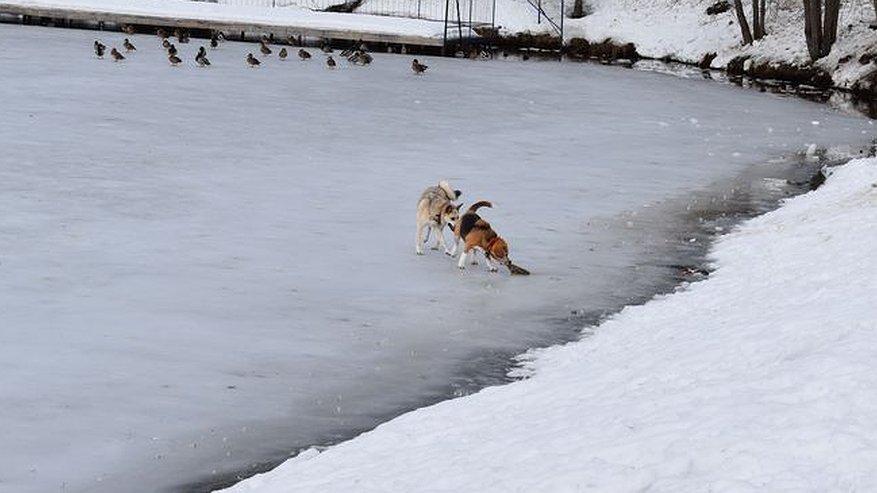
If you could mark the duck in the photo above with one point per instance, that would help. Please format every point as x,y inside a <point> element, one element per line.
<point>99,49</point>
<point>264,48</point>
<point>116,55</point>
<point>418,67</point>
<point>129,46</point>
<point>201,58</point>
<point>360,58</point>
<point>330,62</point>
<point>358,45</point>
<point>304,54</point>
<point>174,59</point>
<point>253,61</point>
<point>283,53</point>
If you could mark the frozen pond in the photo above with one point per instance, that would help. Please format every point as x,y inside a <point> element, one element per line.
<point>202,270</point>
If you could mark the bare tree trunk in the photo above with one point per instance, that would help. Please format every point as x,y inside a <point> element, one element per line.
<point>761,15</point>
<point>756,21</point>
<point>744,24</point>
<point>813,27</point>
<point>578,9</point>
<point>821,32</point>
<point>829,25</point>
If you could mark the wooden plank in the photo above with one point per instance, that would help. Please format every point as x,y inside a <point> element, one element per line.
<point>225,26</point>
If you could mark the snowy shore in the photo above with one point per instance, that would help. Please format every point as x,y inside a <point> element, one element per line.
<point>761,378</point>
<point>683,30</point>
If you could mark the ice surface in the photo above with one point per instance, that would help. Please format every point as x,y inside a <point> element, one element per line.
<point>203,269</point>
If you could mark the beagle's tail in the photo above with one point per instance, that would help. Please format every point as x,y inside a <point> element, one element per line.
<point>477,205</point>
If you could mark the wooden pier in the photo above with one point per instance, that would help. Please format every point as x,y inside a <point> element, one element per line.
<point>97,19</point>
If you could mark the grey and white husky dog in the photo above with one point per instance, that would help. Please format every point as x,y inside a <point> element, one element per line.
<point>435,211</point>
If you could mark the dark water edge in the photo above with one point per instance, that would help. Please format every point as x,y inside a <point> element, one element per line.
<point>841,100</point>
<point>838,99</point>
<point>686,228</point>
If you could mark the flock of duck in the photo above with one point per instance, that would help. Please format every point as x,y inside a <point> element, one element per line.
<point>356,54</point>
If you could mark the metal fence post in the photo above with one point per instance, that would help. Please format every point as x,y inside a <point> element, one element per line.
<point>459,23</point>
<point>445,37</point>
<point>562,15</point>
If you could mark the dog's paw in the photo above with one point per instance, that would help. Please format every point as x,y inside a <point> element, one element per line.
<point>449,253</point>
<point>435,247</point>
<point>474,262</point>
<point>419,251</point>
<point>493,269</point>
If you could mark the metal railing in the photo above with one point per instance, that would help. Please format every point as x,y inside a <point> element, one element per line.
<point>454,13</point>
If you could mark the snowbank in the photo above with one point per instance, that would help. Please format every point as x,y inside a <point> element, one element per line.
<point>293,16</point>
<point>761,378</point>
<point>682,30</point>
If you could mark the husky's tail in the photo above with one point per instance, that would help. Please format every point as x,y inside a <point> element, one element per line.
<point>477,205</point>
<point>449,192</point>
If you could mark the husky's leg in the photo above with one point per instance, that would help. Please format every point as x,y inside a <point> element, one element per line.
<point>439,237</point>
<point>418,239</point>
<point>453,251</point>
<point>448,251</point>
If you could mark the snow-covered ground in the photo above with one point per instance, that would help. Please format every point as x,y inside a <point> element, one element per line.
<point>761,378</point>
<point>682,30</point>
